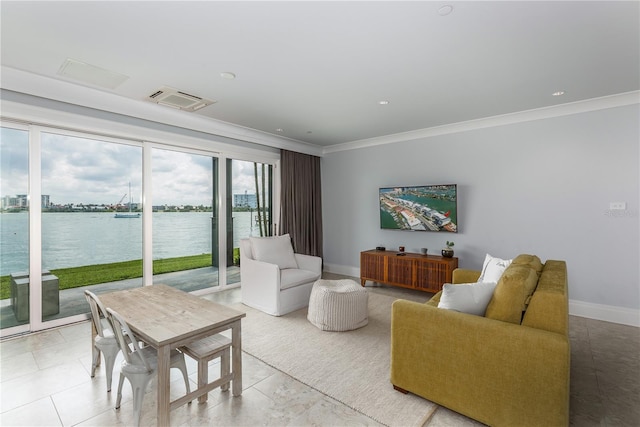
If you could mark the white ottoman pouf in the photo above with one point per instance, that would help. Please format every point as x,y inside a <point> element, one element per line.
<point>338,305</point>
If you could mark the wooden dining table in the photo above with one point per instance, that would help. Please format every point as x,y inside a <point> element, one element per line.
<point>167,318</point>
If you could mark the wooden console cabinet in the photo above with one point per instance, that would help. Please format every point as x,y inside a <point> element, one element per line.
<point>416,271</point>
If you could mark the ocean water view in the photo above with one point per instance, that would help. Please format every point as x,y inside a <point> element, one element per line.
<point>78,239</point>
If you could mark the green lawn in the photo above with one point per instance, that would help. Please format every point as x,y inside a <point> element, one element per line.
<point>103,273</point>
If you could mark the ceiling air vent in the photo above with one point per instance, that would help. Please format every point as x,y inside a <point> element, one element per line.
<point>177,99</point>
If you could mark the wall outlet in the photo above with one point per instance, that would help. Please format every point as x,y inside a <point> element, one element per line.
<point>617,206</point>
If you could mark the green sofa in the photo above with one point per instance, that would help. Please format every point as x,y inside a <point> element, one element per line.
<point>508,368</point>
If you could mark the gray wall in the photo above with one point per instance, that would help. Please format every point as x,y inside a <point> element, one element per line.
<point>540,187</point>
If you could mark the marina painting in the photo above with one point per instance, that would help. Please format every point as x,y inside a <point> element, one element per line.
<point>419,208</point>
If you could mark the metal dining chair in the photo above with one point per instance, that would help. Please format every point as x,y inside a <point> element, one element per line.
<point>105,341</point>
<point>140,363</point>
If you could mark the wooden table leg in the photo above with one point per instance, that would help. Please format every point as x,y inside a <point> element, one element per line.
<point>164,354</point>
<point>203,378</point>
<point>225,367</point>
<point>236,358</point>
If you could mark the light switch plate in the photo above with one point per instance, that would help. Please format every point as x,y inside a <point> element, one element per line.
<point>617,206</point>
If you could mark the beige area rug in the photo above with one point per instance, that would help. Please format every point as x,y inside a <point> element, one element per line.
<point>351,367</point>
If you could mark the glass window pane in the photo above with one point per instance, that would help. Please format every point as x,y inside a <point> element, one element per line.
<point>14,227</point>
<point>185,244</point>
<point>86,244</point>
<point>249,211</point>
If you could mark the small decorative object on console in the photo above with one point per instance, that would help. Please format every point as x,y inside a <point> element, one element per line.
<point>448,251</point>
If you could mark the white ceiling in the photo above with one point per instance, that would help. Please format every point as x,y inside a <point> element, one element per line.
<point>317,70</point>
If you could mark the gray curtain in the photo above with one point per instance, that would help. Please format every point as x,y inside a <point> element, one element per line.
<point>301,211</point>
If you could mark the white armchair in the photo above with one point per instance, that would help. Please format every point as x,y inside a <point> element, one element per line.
<point>273,278</point>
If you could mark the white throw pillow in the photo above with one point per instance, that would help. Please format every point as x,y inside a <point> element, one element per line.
<point>472,298</point>
<point>492,268</point>
<point>274,250</point>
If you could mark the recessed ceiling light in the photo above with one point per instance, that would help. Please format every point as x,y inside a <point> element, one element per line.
<point>279,130</point>
<point>445,10</point>
<point>383,102</point>
<point>227,75</point>
<point>558,93</point>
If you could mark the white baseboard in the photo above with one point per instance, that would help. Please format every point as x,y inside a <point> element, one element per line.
<point>342,269</point>
<point>607,313</point>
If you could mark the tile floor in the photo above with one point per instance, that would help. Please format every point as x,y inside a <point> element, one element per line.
<point>45,382</point>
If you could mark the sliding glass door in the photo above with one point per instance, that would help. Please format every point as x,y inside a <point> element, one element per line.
<point>184,220</point>
<point>91,222</point>
<point>14,227</point>
<point>72,214</point>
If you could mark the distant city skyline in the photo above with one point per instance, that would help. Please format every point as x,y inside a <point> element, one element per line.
<point>20,201</point>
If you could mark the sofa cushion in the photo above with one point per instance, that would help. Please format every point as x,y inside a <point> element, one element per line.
<point>511,294</point>
<point>492,268</point>
<point>274,250</point>
<point>434,300</point>
<point>532,261</point>
<point>292,277</point>
<point>471,298</point>
<point>549,305</point>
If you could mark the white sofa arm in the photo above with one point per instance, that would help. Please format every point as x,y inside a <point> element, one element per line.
<point>260,284</point>
<point>309,263</point>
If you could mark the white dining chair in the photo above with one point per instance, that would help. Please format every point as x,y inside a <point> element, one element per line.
<point>105,341</point>
<point>140,363</point>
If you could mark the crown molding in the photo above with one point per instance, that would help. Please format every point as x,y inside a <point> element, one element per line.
<point>594,104</point>
<point>59,90</point>
<point>52,119</point>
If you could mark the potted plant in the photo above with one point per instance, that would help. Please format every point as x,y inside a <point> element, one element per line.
<point>448,251</point>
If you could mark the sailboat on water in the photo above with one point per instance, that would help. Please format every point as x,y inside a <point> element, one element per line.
<point>129,214</point>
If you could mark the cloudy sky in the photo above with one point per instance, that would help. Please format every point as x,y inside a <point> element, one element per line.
<point>79,170</point>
